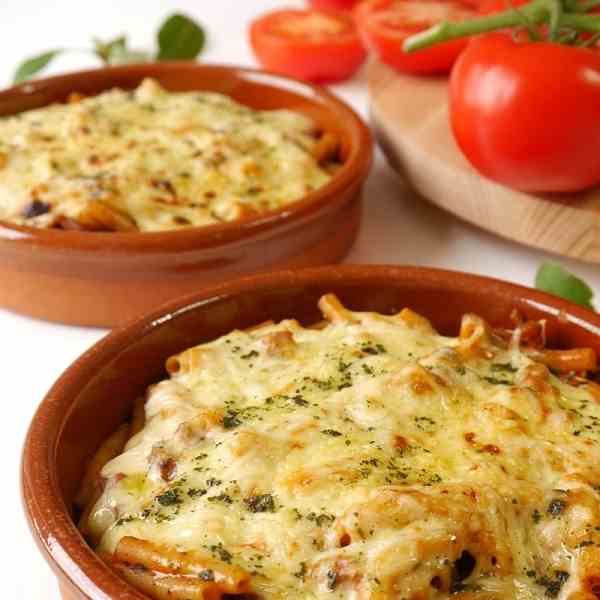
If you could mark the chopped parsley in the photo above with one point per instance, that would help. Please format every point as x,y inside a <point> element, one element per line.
<point>301,572</point>
<point>260,504</point>
<point>503,367</point>
<point>231,420</point>
<point>495,381</point>
<point>207,575</point>
<point>223,497</point>
<point>556,507</point>
<point>331,432</point>
<point>321,519</point>
<point>554,584</point>
<point>169,498</point>
<point>332,580</point>
<point>373,349</point>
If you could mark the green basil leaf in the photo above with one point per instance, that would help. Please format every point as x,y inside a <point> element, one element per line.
<point>180,38</point>
<point>34,65</point>
<point>554,279</point>
<point>116,52</point>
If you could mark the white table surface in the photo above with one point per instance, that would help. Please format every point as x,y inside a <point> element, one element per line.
<point>398,227</point>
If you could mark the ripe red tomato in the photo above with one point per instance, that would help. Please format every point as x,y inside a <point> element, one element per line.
<point>474,3</point>
<point>333,4</point>
<point>385,24</point>
<point>315,45</point>
<point>523,124</point>
<point>487,7</point>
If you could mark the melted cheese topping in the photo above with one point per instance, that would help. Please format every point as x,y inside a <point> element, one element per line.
<point>371,459</point>
<point>161,160</point>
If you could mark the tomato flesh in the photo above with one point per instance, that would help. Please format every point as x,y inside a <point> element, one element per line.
<point>314,45</point>
<point>385,24</point>
<point>344,5</point>
<point>525,125</point>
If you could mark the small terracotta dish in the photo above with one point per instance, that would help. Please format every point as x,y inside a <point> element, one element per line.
<point>104,279</point>
<point>96,393</point>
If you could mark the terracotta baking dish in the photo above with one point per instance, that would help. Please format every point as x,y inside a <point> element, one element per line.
<point>95,394</point>
<point>104,279</point>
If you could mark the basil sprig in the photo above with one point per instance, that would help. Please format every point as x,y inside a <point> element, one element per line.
<point>178,38</point>
<point>552,278</point>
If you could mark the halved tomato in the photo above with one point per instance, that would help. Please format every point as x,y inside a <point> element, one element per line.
<point>315,45</point>
<point>385,24</point>
<point>333,4</point>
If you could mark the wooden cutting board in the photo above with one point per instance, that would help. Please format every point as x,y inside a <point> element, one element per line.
<point>410,117</point>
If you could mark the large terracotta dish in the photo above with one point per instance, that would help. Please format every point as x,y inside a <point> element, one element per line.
<point>104,279</point>
<point>95,394</point>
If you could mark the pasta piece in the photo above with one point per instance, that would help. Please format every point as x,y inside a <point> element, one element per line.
<point>474,337</point>
<point>107,451</point>
<point>241,211</point>
<point>99,216</point>
<point>185,362</point>
<point>75,97</point>
<point>230,578</point>
<point>564,361</point>
<point>138,418</point>
<point>279,343</point>
<point>84,520</point>
<point>334,311</point>
<point>165,587</point>
<point>326,149</point>
<point>413,319</point>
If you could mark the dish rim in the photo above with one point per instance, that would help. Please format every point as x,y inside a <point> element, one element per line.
<point>355,167</point>
<point>55,532</point>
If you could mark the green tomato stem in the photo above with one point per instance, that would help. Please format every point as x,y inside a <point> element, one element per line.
<point>534,13</point>
<point>581,22</point>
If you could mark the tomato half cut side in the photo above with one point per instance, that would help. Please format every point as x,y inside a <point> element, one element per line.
<point>385,24</point>
<point>314,45</point>
<point>344,5</point>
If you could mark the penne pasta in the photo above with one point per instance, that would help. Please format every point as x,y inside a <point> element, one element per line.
<point>229,578</point>
<point>99,216</point>
<point>167,587</point>
<point>185,362</point>
<point>334,311</point>
<point>138,417</point>
<point>565,361</point>
<point>108,450</point>
<point>326,149</point>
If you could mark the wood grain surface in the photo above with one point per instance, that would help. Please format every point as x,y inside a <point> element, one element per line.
<point>410,117</point>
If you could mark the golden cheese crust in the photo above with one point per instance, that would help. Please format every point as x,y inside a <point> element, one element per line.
<point>366,458</point>
<point>152,160</point>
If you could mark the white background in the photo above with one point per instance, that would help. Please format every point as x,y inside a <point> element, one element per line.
<point>398,227</point>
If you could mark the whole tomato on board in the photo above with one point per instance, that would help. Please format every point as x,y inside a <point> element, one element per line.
<point>314,45</point>
<point>528,114</point>
<point>385,24</point>
<point>345,5</point>
<point>487,7</point>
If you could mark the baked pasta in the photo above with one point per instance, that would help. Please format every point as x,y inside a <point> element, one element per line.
<point>150,160</point>
<point>367,457</point>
